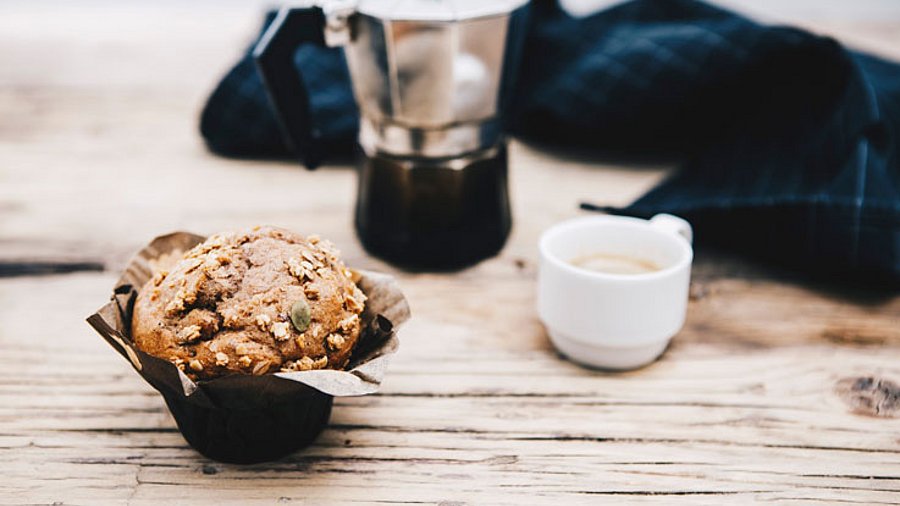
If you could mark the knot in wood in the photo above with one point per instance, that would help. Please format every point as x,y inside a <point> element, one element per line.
<point>871,396</point>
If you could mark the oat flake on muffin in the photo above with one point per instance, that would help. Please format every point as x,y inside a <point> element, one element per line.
<point>252,302</point>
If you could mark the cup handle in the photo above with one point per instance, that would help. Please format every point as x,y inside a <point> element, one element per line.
<point>673,225</point>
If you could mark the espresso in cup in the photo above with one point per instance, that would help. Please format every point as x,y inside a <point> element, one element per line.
<point>612,290</point>
<point>614,264</point>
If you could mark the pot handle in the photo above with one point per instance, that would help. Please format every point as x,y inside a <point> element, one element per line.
<point>274,57</point>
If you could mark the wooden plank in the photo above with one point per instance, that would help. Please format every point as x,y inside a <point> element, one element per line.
<point>715,418</point>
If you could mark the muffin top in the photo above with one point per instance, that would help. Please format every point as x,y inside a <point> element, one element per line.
<point>253,302</point>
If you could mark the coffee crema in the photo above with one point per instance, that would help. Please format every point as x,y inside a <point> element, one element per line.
<point>614,264</point>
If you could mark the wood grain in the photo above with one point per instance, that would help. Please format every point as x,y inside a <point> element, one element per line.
<point>777,390</point>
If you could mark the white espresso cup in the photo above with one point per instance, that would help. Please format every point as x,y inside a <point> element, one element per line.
<point>614,320</point>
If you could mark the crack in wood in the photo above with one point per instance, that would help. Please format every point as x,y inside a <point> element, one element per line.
<point>673,492</point>
<point>831,500</point>
<point>9,269</point>
<point>563,395</point>
<point>702,441</point>
<point>120,430</point>
<point>849,476</point>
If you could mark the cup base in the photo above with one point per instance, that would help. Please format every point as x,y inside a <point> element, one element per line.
<point>608,357</point>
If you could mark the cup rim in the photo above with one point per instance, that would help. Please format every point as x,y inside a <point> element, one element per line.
<point>685,259</point>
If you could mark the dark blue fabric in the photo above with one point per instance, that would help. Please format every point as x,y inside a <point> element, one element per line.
<point>789,139</point>
<point>238,119</point>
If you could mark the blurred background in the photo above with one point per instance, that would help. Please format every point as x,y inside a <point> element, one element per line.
<point>214,33</point>
<point>71,74</point>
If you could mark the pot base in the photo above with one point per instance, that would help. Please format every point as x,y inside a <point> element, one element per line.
<point>435,214</point>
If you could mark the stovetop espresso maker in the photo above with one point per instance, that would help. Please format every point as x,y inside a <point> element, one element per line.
<point>431,79</point>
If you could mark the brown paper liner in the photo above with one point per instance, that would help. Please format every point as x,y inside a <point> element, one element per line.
<point>243,418</point>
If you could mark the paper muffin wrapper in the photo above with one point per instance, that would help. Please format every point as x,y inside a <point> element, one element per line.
<point>243,418</point>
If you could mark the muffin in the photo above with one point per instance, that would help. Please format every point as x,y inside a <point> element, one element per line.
<point>170,308</point>
<point>254,302</point>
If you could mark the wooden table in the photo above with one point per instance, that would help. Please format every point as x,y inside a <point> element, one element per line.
<point>776,390</point>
